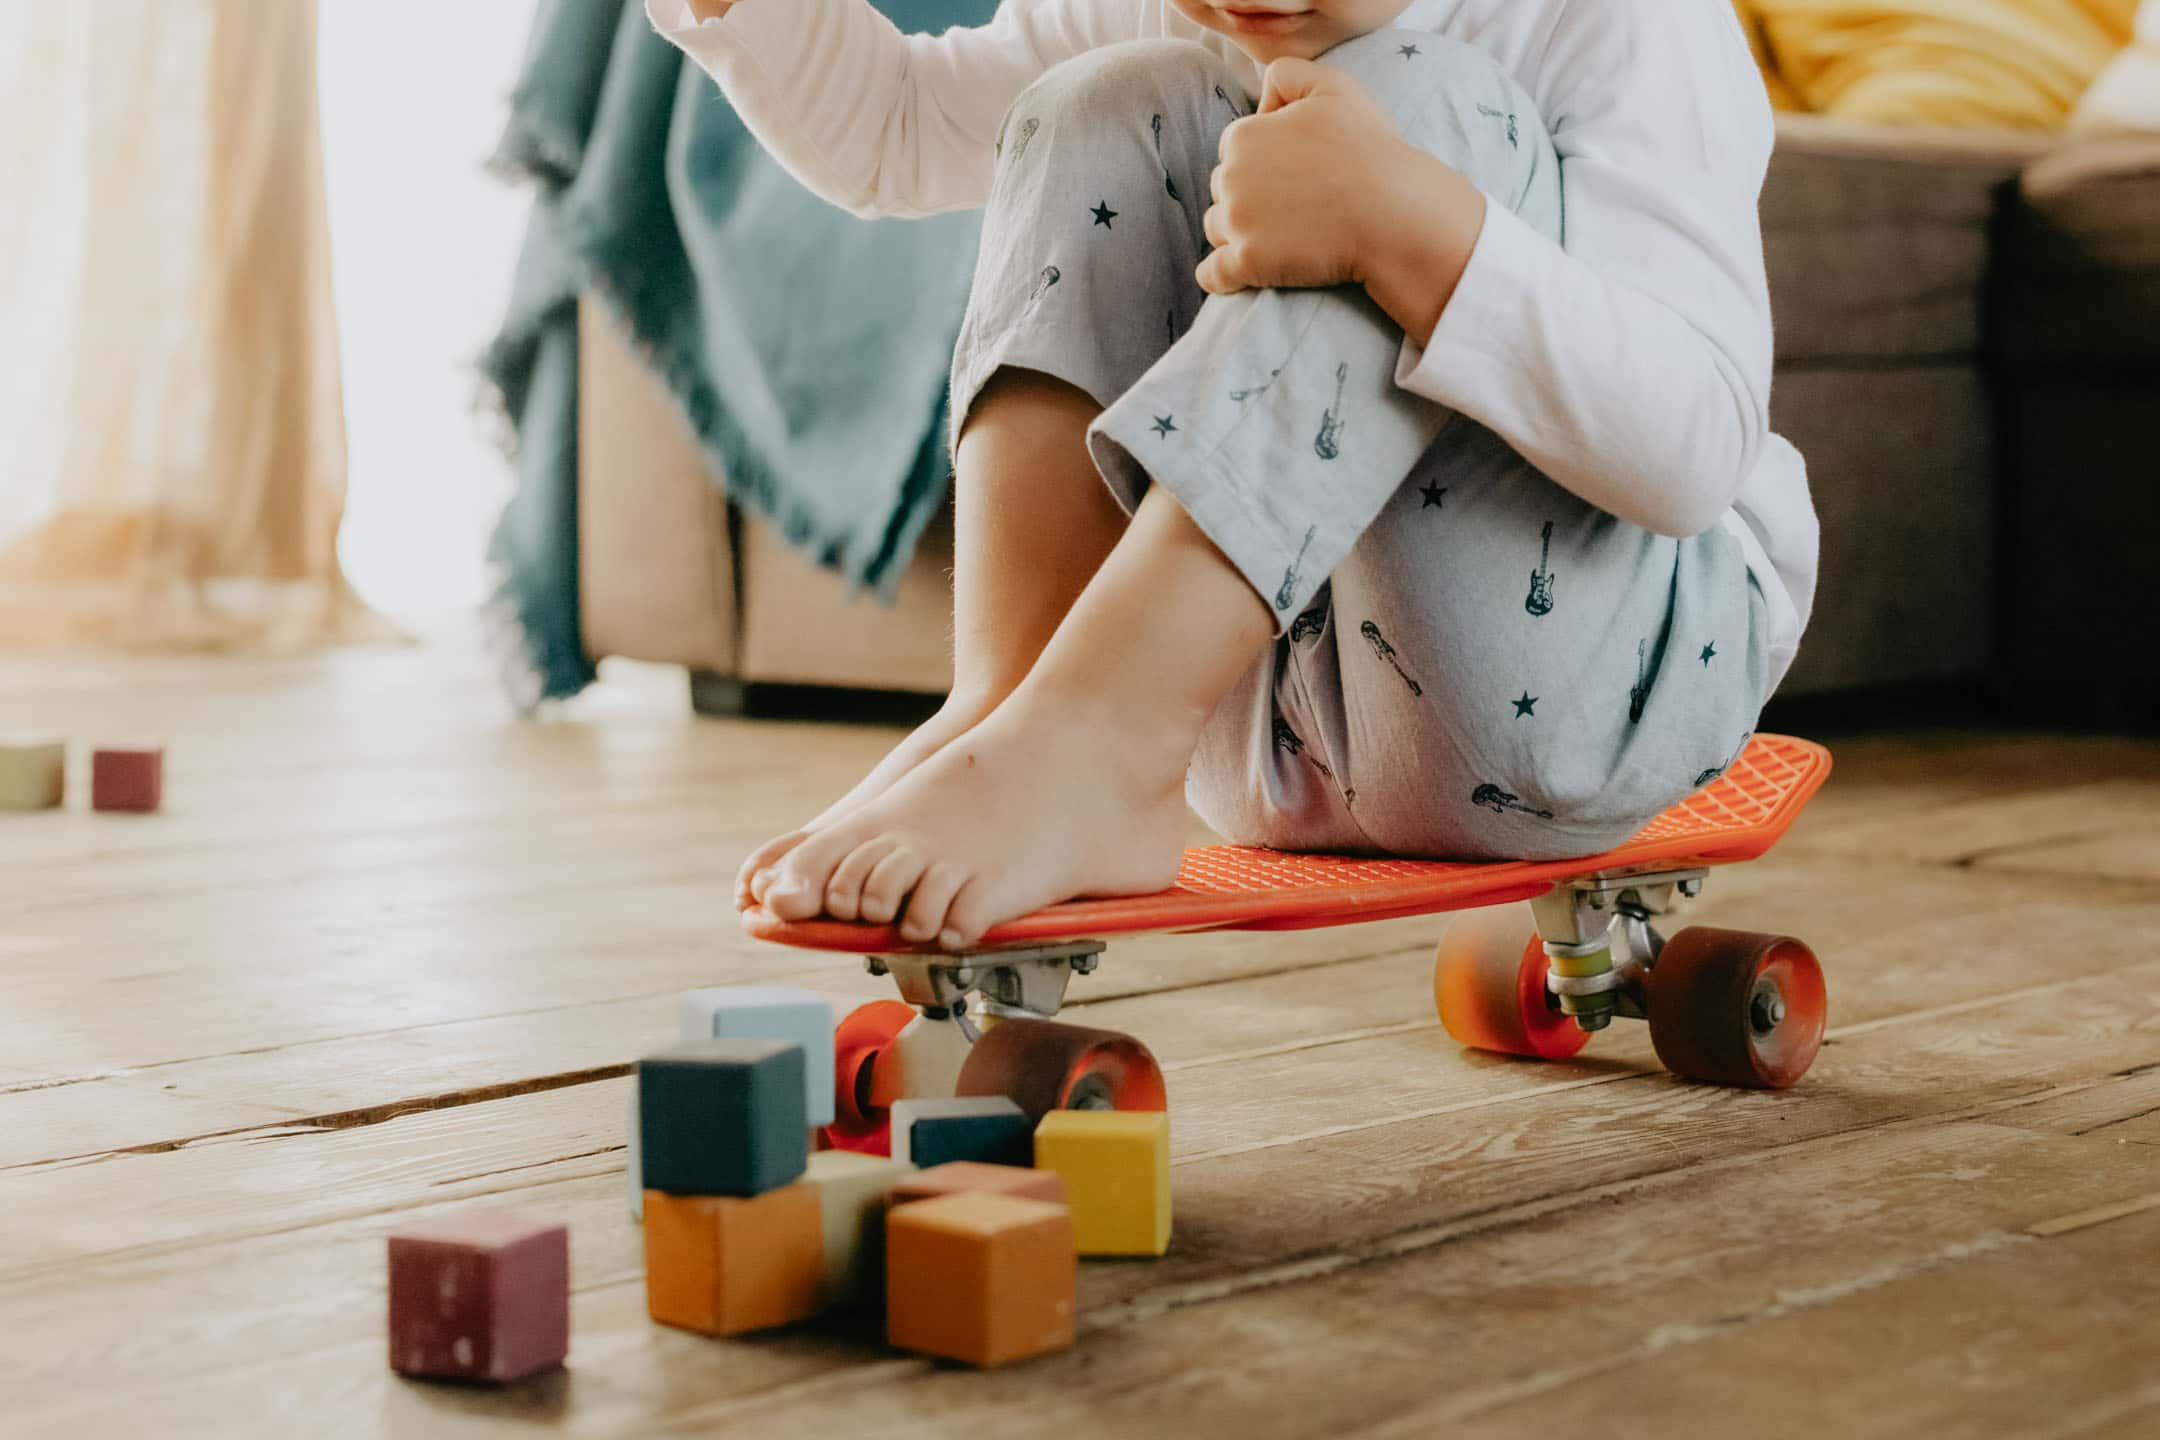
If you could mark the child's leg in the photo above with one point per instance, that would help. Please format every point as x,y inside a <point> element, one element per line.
<point>1069,307</point>
<point>1495,668</point>
<point>1272,433</point>
<point>1073,785</point>
<point>1032,523</point>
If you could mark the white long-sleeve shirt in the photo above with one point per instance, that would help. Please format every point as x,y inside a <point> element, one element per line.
<point>1631,363</point>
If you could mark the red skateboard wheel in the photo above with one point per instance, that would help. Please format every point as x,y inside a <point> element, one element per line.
<point>1737,1008</point>
<point>1042,1066</point>
<point>1489,987</point>
<point>858,1041</point>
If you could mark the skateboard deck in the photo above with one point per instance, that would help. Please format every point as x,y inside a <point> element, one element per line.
<point>1736,817</point>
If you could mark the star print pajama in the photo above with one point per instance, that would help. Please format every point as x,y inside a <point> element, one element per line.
<point>1471,662</point>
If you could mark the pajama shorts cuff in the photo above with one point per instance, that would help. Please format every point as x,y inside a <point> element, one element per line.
<point>1022,347</point>
<point>1284,559</point>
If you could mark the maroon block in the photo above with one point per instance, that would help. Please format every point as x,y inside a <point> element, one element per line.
<point>127,777</point>
<point>480,1296</point>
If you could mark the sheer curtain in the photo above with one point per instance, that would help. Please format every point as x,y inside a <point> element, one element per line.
<point>172,449</point>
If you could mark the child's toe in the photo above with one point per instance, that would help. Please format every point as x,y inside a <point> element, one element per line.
<point>764,858</point>
<point>843,893</point>
<point>889,883</point>
<point>798,888</point>
<point>933,895</point>
<point>967,917</point>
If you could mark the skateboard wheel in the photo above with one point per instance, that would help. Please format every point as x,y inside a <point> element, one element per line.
<point>1043,1066</point>
<point>858,1040</point>
<point>1737,1008</point>
<point>1489,987</point>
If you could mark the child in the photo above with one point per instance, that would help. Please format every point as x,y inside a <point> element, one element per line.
<point>1442,515</point>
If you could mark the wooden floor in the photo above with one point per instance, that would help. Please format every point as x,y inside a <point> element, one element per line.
<point>389,953</point>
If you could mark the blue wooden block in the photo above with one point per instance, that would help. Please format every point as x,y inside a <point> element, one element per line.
<point>769,1012</point>
<point>987,1129</point>
<point>722,1117</point>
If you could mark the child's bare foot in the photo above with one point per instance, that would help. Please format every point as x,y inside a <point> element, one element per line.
<point>953,719</point>
<point>1042,801</point>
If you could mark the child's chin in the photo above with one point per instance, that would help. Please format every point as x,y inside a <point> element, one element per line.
<point>1264,48</point>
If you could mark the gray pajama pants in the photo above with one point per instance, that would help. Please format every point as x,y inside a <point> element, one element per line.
<point>1471,662</point>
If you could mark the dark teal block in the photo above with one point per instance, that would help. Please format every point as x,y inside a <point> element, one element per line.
<point>985,1139</point>
<point>723,1117</point>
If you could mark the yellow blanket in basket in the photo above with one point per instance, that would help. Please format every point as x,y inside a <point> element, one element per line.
<point>2017,63</point>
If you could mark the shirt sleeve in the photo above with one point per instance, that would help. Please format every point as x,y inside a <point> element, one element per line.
<point>876,121</point>
<point>1631,362</point>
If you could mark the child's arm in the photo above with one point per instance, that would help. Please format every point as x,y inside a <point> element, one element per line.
<point>1633,364</point>
<point>878,122</point>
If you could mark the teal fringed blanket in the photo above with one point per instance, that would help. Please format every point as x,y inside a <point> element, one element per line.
<point>807,348</point>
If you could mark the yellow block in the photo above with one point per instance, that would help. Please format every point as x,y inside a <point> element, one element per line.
<point>1116,1169</point>
<point>33,772</point>
<point>852,1191</point>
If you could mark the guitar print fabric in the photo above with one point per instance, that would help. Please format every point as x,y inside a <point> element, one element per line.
<point>1168,183</point>
<point>1386,652</point>
<point>1328,443</point>
<point>1540,600</point>
<point>1286,595</point>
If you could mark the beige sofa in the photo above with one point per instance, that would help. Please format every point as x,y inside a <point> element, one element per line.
<point>1885,265</point>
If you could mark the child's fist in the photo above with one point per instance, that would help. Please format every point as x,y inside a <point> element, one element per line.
<point>1302,184</point>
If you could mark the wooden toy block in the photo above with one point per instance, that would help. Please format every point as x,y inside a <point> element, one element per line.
<point>852,1196</point>
<point>979,1277</point>
<point>1116,1168</point>
<point>480,1296</point>
<point>726,1265</point>
<point>769,1012</point>
<point>127,778</point>
<point>33,773</point>
<point>986,1128</point>
<point>967,1175</point>
<point>722,1117</point>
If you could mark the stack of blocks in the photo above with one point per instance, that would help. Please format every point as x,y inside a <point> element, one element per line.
<point>750,1012</point>
<point>970,1233</point>
<point>732,1242</point>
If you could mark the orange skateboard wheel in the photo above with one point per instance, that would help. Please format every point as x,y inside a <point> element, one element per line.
<point>858,1041</point>
<point>1737,1008</point>
<point>1489,987</point>
<point>1042,1066</point>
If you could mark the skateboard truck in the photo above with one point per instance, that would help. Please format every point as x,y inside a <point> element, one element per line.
<point>1026,981</point>
<point>1600,942</point>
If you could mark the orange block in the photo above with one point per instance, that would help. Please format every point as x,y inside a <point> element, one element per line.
<point>726,1264</point>
<point>979,1277</point>
<point>970,1175</point>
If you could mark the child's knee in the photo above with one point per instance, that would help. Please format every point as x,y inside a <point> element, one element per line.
<point>1112,81</point>
<point>1458,103</point>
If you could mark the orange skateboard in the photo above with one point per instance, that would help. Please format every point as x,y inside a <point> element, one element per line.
<point>1727,1006</point>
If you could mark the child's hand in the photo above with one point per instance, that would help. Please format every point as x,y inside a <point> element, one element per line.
<point>1300,182</point>
<point>1320,188</point>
